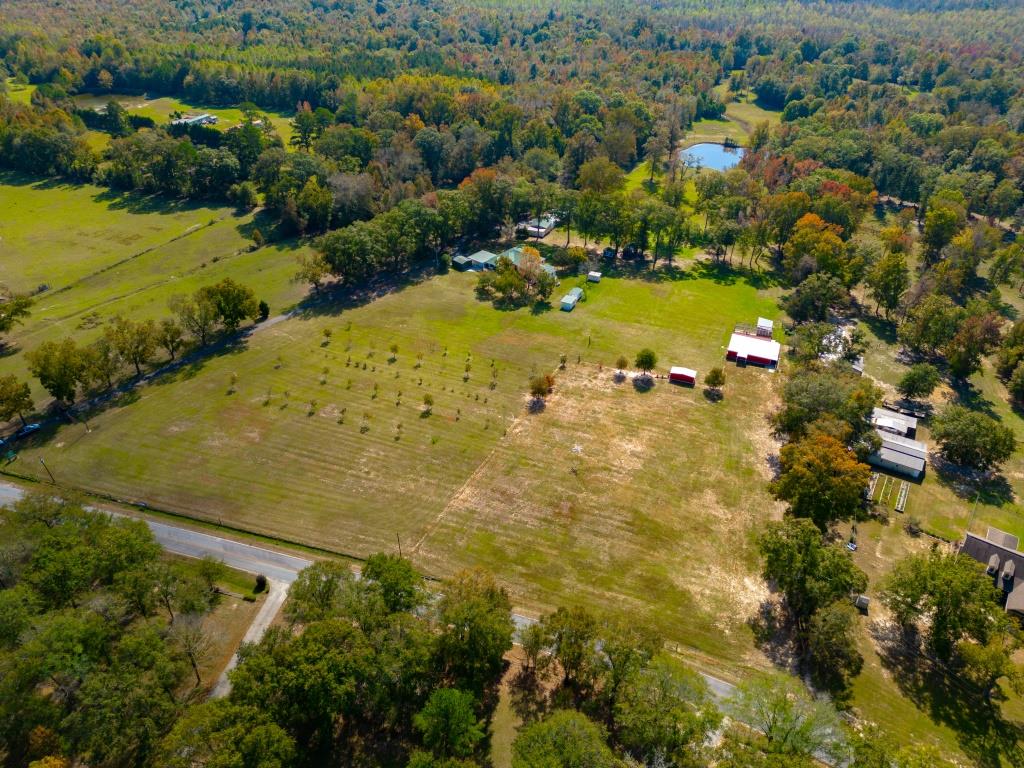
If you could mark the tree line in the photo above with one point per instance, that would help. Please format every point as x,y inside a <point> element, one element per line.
<point>65,368</point>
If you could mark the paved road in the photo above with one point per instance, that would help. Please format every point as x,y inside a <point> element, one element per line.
<point>250,558</point>
<point>280,569</point>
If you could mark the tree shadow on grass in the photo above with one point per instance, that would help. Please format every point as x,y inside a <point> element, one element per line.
<point>989,488</point>
<point>981,731</point>
<point>713,395</point>
<point>774,634</point>
<point>972,398</point>
<point>334,298</point>
<point>136,202</point>
<point>643,383</point>
<point>265,223</point>
<point>884,329</point>
<point>18,179</point>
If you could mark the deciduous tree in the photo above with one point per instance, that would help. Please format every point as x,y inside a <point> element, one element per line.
<point>810,573</point>
<point>59,366</point>
<point>972,439</point>
<point>821,479</point>
<point>15,398</point>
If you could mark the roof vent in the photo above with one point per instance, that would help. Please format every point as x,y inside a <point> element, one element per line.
<point>993,565</point>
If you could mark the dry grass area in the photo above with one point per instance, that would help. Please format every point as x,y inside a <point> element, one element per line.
<point>225,627</point>
<point>641,502</point>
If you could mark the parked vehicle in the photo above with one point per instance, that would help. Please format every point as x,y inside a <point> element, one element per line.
<point>28,429</point>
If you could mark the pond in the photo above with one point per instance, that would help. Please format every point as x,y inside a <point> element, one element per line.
<point>715,156</point>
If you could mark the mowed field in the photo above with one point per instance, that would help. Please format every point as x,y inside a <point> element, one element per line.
<point>325,442</point>
<point>55,233</point>
<point>105,254</point>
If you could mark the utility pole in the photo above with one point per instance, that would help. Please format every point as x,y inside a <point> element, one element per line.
<point>47,470</point>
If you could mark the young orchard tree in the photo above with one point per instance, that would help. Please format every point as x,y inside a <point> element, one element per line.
<point>540,386</point>
<point>15,398</point>
<point>715,379</point>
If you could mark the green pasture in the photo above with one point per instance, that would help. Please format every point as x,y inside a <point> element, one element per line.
<point>21,94</point>
<point>742,114</point>
<point>55,233</point>
<point>124,255</point>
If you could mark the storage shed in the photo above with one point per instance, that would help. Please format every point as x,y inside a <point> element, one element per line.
<point>892,421</point>
<point>569,300</point>
<point>483,260</point>
<point>593,277</point>
<point>679,375</point>
<point>765,327</point>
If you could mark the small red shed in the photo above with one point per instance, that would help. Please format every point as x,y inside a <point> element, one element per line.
<point>681,375</point>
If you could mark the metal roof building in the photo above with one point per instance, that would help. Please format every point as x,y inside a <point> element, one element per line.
<point>894,422</point>
<point>900,455</point>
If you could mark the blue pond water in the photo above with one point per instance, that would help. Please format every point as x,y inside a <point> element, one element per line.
<point>714,156</point>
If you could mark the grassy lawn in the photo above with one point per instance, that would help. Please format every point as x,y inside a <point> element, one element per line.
<point>742,115</point>
<point>128,256</point>
<point>309,447</point>
<point>57,233</point>
<point>161,108</point>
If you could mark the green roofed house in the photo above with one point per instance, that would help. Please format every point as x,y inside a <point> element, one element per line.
<point>515,255</point>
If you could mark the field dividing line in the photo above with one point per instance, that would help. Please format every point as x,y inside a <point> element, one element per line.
<point>433,525</point>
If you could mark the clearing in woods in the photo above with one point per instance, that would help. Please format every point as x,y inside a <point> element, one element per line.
<point>325,441</point>
<point>161,108</point>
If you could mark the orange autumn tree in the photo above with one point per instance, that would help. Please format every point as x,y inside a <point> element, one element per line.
<point>821,479</point>
<point>814,246</point>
